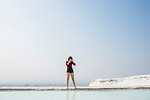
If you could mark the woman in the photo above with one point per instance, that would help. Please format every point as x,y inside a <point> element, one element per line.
<point>69,64</point>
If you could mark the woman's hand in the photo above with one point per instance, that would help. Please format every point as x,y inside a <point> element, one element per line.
<point>69,61</point>
<point>72,60</point>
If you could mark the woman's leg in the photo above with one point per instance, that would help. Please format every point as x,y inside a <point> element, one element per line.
<point>72,76</point>
<point>67,79</point>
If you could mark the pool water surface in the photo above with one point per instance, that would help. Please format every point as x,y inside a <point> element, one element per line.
<point>76,95</point>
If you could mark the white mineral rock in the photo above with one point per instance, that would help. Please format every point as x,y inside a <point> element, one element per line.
<point>127,82</point>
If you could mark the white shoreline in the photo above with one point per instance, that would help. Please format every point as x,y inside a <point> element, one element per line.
<point>70,88</point>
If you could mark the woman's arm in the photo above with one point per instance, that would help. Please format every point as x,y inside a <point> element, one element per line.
<point>69,62</point>
<point>73,63</point>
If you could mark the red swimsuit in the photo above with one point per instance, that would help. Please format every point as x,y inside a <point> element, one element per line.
<point>69,67</point>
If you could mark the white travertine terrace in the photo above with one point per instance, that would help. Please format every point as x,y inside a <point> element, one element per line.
<point>126,82</point>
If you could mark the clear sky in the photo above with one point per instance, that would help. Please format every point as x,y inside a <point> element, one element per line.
<point>107,38</point>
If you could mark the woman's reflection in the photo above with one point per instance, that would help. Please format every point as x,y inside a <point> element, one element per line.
<point>72,94</point>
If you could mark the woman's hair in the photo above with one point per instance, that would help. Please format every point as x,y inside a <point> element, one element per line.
<point>69,58</point>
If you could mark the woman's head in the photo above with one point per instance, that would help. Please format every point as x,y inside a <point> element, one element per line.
<point>70,58</point>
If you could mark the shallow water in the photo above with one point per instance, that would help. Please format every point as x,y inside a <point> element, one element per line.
<point>76,95</point>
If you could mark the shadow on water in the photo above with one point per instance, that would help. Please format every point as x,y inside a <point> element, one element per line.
<point>70,95</point>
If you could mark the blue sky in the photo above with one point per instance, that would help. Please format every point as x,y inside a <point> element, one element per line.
<point>107,38</point>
